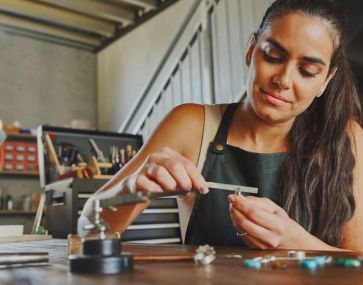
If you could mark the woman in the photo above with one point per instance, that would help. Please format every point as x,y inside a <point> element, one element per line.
<point>295,136</point>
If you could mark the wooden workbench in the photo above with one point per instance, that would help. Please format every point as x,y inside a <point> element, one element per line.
<point>222,271</point>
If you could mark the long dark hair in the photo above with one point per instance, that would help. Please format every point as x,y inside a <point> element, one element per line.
<point>317,173</point>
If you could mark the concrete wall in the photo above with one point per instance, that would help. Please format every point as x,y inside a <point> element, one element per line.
<point>125,67</point>
<point>42,82</point>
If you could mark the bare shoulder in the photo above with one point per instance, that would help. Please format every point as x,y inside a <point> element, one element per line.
<point>185,114</point>
<point>181,130</point>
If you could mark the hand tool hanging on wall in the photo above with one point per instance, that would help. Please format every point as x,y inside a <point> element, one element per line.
<point>96,151</point>
<point>2,136</point>
<point>122,157</point>
<point>67,153</point>
<point>52,155</point>
<point>115,159</point>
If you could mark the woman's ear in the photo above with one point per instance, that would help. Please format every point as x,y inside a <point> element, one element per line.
<point>250,47</point>
<point>327,80</point>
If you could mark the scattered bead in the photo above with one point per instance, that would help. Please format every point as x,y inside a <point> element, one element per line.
<point>347,262</point>
<point>279,265</point>
<point>296,254</point>
<point>308,264</point>
<point>267,258</point>
<point>252,263</point>
<point>321,260</point>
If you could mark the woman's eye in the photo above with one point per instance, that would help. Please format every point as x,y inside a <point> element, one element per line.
<point>271,58</point>
<point>307,73</point>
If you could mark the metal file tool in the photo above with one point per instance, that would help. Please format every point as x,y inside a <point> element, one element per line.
<point>137,197</point>
<point>231,187</point>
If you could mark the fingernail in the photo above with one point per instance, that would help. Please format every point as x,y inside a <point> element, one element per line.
<point>231,199</point>
<point>204,189</point>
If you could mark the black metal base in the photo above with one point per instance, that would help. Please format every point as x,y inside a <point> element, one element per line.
<point>101,257</point>
<point>100,264</point>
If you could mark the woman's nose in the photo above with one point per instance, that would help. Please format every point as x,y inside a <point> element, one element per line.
<point>283,79</point>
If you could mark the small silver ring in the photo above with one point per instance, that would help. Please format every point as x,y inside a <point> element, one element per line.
<point>241,234</point>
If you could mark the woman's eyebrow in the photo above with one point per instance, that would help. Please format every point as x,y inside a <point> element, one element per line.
<point>283,50</point>
<point>313,60</point>
<point>277,45</point>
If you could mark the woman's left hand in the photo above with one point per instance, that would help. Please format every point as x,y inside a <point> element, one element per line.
<point>261,223</point>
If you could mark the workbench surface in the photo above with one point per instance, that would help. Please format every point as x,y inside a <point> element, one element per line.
<point>222,271</point>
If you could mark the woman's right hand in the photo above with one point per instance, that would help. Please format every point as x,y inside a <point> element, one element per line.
<point>165,170</point>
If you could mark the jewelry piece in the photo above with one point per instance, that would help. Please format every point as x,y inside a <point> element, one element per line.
<point>232,255</point>
<point>204,255</point>
<point>308,264</point>
<point>348,262</point>
<point>279,265</point>
<point>252,263</point>
<point>241,234</point>
<point>296,254</point>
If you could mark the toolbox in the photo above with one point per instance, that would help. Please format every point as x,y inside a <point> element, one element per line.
<point>18,155</point>
<point>67,190</point>
<point>65,152</point>
<point>159,223</point>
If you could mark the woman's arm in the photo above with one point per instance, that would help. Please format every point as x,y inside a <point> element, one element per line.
<point>268,226</point>
<point>165,162</point>
<point>353,230</point>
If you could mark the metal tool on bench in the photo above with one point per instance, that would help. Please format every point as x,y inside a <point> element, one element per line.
<point>101,255</point>
<point>13,259</point>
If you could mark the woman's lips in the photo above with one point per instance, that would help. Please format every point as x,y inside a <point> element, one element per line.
<point>274,99</point>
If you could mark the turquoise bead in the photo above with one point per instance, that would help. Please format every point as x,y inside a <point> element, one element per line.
<point>308,263</point>
<point>320,260</point>
<point>251,263</point>
<point>348,262</point>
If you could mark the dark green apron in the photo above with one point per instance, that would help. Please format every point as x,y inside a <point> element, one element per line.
<point>210,221</point>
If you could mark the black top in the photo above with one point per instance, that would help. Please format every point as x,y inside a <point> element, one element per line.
<point>210,221</point>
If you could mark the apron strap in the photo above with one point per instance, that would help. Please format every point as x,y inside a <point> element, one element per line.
<point>222,133</point>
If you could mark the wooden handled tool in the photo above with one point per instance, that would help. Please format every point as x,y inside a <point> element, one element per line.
<point>52,155</point>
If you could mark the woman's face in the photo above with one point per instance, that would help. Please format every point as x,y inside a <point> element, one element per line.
<point>289,66</point>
